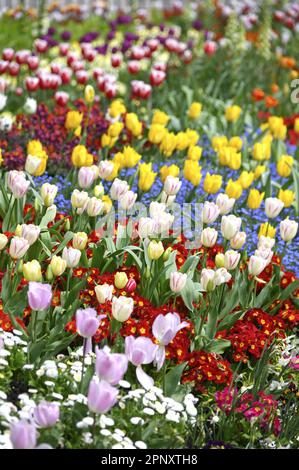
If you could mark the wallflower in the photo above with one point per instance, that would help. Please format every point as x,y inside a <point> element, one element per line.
<point>254,199</point>
<point>73,120</point>
<point>286,196</point>
<point>233,189</point>
<point>192,172</point>
<point>212,183</point>
<point>284,165</point>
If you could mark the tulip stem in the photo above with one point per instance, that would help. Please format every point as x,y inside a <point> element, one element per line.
<point>83,363</point>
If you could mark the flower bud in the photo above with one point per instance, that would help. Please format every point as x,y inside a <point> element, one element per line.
<point>46,414</point>
<point>155,250</point>
<point>30,232</point>
<point>103,293</point>
<point>3,241</point>
<point>172,185</point>
<point>167,253</point>
<point>87,322</point>
<point>238,240</point>
<point>71,256</point>
<point>122,307</point>
<point>130,286</point>
<point>18,247</point>
<point>209,237</point>
<point>58,265</point>
<point>210,212</point>
<point>230,226</point>
<point>288,229</point>
<point>177,281</point>
<point>32,271</point>
<point>101,396</point>
<point>120,280</point>
<point>231,259</point>
<point>273,206</point>
<point>207,280</point>
<point>256,265</point>
<point>98,190</point>
<point>225,203</point>
<point>39,295</point>
<point>48,193</point>
<point>80,240</point>
<point>89,94</point>
<point>94,207</point>
<point>219,260</point>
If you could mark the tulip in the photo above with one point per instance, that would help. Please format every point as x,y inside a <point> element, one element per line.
<point>210,212</point>
<point>30,232</point>
<point>122,307</point>
<point>94,207</point>
<point>46,414</point>
<point>18,247</point>
<point>238,240</point>
<point>141,351</point>
<point>118,189</point>
<point>231,259</point>
<point>165,328</point>
<point>79,199</point>
<point>99,191</point>
<point>288,229</point>
<point>48,193</point>
<point>80,240</point>
<point>145,227</point>
<point>219,260</point>
<point>225,203</point>
<point>130,286</point>
<point>110,367</point>
<point>71,256</point>
<point>209,237</point>
<point>256,265</point>
<point>58,265</point>
<point>207,280</point>
<point>120,280</point>
<point>106,168</point>
<point>265,253</point>
<point>86,177</point>
<point>156,209</point>
<point>39,295</point>
<point>32,271</point>
<point>32,164</point>
<point>265,242</point>
<point>273,206</point>
<point>163,223</point>
<point>103,293</point>
<point>155,250</point>
<point>101,396</point>
<point>89,94</point>
<point>23,435</point>
<point>87,322</point>
<point>127,200</point>
<point>221,276</point>
<point>3,241</point>
<point>17,183</point>
<point>230,226</point>
<point>172,185</point>
<point>177,281</point>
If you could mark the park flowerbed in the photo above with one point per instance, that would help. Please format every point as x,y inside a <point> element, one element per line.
<point>149,199</point>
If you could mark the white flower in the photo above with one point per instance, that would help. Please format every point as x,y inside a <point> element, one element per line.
<point>30,106</point>
<point>3,100</point>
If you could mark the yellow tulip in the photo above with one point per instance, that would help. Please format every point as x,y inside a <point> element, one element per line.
<point>131,157</point>
<point>192,136</point>
<point>194,110</point>
<point>267,230</point>
<point>115,129</point>
<point>236,142</point>
<point>254,199</point>
<point>73,120</point>
<point>160,117</point>
<point>286,196</point>
<point>155,250</point>
<point>116,108</point>
<point>89,94</point>
<point>172,170</point>
<point>133,124</point>
<point>212,183</point>
<point>182,141</point>
<point>32,271</point>
<point>156,133</point>
<point>259,170</point>
<point>219,141</point>
<point>80,240</point>
<point>146,177</point>
<point>194,152</point>
<point>234,189</point>
<point>232,113</point>
<point>296,125</point>
<point>284,165</point>
<point>81,157</point>
<point>168,144</point>
<point>246,179</point>
<point>192,172</point>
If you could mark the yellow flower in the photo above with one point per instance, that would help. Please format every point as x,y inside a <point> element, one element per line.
<point>73,120</point>
<point>77,132</point>
<point>1,158</point>
<point>106,140</point>
<point>194,152</point>
<point>235,160</point>
<point>277,127</point>
<point>232,113</point>
<point>146,177</point>
<point>182,141</point>
<point>228,156</point>
<point>34,147</point>
<point>296,125</point>
<point>168,144</point>
<point>160,117</point>
<point>192,172</point>
<point>155,250</point>
<point>254,199</point>
<point>116,108</point>
<point>32,271</point>
<point>267,230</point>
<point>234,189</point>
<point>172,170</point>
<point>284,165</point>
<point>156,133</point>
<point>107,203</point>
<point>133,124</point>
<point>81,157</point>
<point>80,240</point>
<point>212,183</point>
<point>261,151</point>
<point>219,141</point>
<point>115,129</point>
<point>236,142</point>
<point>119,158</point>
<point>286,196</point>
<point>194,110</point>
<point>259,170</point>
<point>89,94</point>
<point>192,136</point>
<point>131,157</point>
<point>246,178</point>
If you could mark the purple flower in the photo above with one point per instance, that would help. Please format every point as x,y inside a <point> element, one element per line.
<point>141,351</point>
<point>164,329</point>
<point>87,322</point>
<point>110,367</point>
<point>101,396</point>
<point>46,414</point>
<point>39,295</point>
<point>23,435</point>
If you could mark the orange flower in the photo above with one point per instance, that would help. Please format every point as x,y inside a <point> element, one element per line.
<point>271,102</point>
<point>258,94</point>
<point>274,88</point>
<point>287,62</point>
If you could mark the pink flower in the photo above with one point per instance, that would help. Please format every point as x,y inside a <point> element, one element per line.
<point>110,367</point>
<point>101,396</point>
<point>39,295</point>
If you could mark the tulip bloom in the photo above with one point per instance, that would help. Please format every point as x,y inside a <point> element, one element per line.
<point>23,435</point>
<point>101,396</point>
<point>18,247</point>
<point>46,414</point>
<point>103,293</point>
<point>256,265</point>
<point>288,229</point>
<point>177,281</point>
<point>164,329</point>
<point>122,307</point>
<point>87,322</point>
<point>141,351</point>
<point>210,212</point>
<point>110,367</point>
<point>39,295</point>
<point>71,256</point>
<point>230,226</point>
<point>273,207</point>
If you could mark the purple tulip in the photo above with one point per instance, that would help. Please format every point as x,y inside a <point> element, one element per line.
<point>46,414</point>
<point>109,366</point>
<point>141,351</point>
<point>23,435</point>
<point>39,295</point>
<point>87,322</point>
<point>101,396</point>
<point>164,329</point>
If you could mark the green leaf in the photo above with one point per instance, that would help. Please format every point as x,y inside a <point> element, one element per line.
<point>173,377</point>
<point>218,346</point>
<point>48,217</point>
<point>288,290</point>
<point>17,303</point>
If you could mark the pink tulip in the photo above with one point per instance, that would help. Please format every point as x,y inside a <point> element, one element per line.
<point>110,367</point>
<point>39,295</point>
<point>101,396</point>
